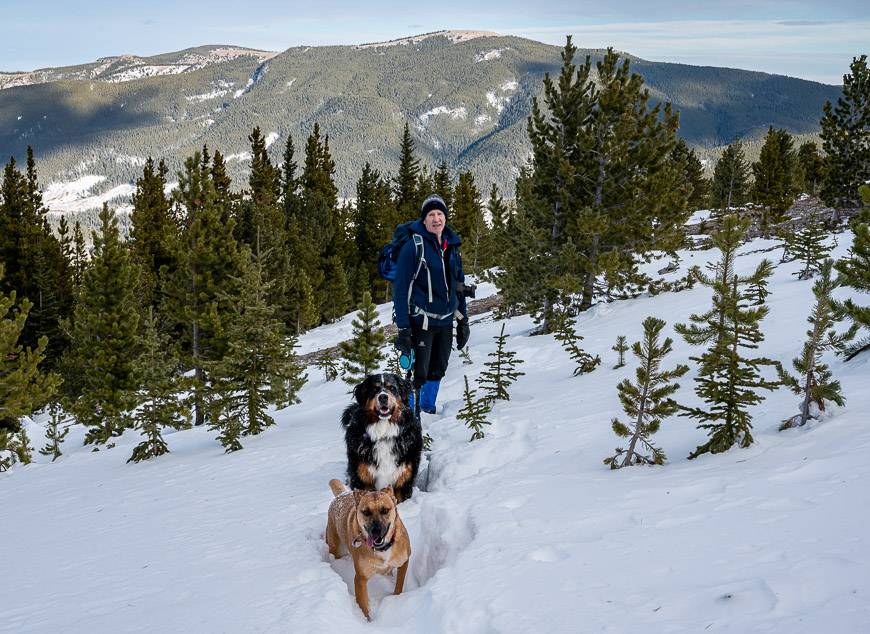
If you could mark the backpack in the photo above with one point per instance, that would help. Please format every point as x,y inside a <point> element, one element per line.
<point>390,252</point>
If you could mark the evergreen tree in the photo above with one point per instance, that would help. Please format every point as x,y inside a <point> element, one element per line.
<point>336,290</point>
<point>362,354</point>
<point>730,185</point>
<point>24,388</point>
<point>259,368</point>
<point>813,379</point>
<point>621,348</point>
<point>466,219</point>
<point>54,435</point>
<point>473,412</point>
<point>845,137</point>
<point>290,184</point>
<point>756,285</point>
<point>570,340</point>
<point>370,219</point>
<point>854,271</point>
<point>696,186</point>
<point>774,186</point>
<point>153,229</point>
<point>807,244</point>
<point>727,380</point>
<point>13,202</point>
<point>80,257</point>
<point>811,168</point>
<point>442,184</point>
<point>161,390</point>
<point>601,189</point>
<point>329,365</point>
<point>196,293</point>
<point>497,237</point>
<point>104,346</point>
<point>405,195</point>
<point>501,370</point>
<point>647,401</point>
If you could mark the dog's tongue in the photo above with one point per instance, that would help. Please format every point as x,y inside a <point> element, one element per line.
<point>370,541</point>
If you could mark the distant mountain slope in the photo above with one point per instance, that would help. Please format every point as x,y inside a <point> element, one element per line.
<point>466,97</point>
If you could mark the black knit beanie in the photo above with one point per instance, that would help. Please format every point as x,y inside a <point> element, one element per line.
<point>434,201</point>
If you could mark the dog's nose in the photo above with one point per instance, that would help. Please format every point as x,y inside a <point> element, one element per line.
<point>377,531</point>
<point>382,398</point>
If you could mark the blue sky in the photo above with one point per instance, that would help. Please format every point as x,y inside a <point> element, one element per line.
<point>809,39</point>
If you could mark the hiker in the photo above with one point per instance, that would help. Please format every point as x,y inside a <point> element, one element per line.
<point>428,294</point>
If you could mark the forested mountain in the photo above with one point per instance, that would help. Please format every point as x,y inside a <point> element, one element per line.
<point>467,99</point>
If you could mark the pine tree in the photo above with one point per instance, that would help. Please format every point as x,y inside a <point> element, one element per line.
<point>730,185</point>
<point>567,335</point>
<point>405,195</point>
<point>647,401</point>
<point>259,368</point>
<point>500,370</point>
<point>845,137</point>
<point>473,412</point>
<point>774,186</point>
<point>161,390</point>
<point>371,217</point>
<point>80,257</point>
<point>329,365</point>
<point>697,187</point>
<point>621,348</point>
<point>442,184</point>
<point>24,388</point>
<point>466,219</point>
<point>854,272</point>
<point>727,381</point>
<point>811,168</point>
<point>290,184</point>
<point>600,191</point>
<point>362,354</point>
<point>756,284</point>
<point>104,346</point>
<point>813,379</point>
<point>807,244</point>
<point>196,293</point>
<point>54,435</point>
<point>336,290</point>
<point>153,229</point>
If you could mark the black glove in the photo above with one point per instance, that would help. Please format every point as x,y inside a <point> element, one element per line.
<point>463,332</point>
<point>403,341</point>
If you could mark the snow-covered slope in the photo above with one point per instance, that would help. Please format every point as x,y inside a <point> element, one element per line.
<point>525,530</point>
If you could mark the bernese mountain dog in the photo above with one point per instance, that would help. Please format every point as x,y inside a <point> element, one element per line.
<point>384,438</point>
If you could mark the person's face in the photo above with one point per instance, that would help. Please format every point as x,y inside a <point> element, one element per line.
<point>434,221</point>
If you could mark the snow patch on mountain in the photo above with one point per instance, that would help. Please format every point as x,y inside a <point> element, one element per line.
<point>240,157</point>
<point>486,56</point>
<point>459,112</point>
<point>454,35</point>
<point>214,94</point>
<point>79,195</point>
<point>271,138</point>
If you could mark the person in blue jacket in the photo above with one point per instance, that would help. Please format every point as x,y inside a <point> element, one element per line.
<point>428,295</point>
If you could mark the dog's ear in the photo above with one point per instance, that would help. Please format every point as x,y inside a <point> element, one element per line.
<point>357,496</point>
<point>359,392</point>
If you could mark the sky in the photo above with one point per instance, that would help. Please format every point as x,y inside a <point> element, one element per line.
<point>800,38</point>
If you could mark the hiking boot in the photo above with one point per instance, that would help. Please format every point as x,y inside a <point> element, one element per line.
<point>428,395</point>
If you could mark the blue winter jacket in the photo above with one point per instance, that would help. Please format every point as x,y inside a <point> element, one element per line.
<point>442,268</point>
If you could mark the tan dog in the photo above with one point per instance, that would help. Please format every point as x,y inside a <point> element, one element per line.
<point>367,523</point>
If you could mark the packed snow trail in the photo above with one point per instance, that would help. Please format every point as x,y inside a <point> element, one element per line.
<point>525,530</point>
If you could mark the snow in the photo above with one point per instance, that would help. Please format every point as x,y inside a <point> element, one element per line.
<point>241,157</point>
<point>147,70</point>
<point>459,112</point>
<point>271,138</point>
<point>78,195</point>
<point>487,56</point>
<point>525,530</point>
<point>214,94</point>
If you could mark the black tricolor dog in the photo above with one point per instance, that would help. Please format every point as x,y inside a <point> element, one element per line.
<point>384,439</point>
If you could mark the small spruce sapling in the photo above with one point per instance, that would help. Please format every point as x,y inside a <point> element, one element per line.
<point>473,412</point>
<point>570,340</point>
<point>807,244</point>
<point>54,435</point>
<point>621,348</point>
<point>500,371</point>
<point>647,401</point>
<point>329,365</point>
<point>813,380</point>
<point>362,355</point>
